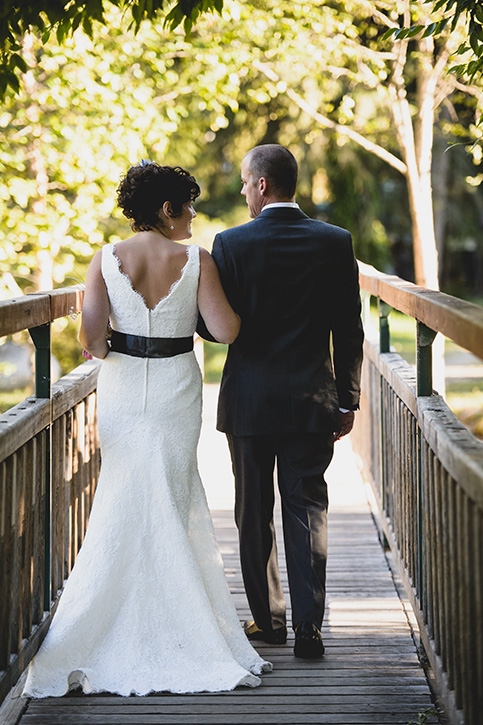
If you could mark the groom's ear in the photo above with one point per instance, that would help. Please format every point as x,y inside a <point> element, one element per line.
<point>262,185</point>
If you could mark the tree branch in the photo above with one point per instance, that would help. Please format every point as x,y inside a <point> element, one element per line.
<point>374,148</point>
<point>374,12</point>
<point>471,90</point>
<point>369,53</point>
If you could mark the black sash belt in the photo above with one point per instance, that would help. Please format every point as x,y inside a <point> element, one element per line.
<point>139,346</point>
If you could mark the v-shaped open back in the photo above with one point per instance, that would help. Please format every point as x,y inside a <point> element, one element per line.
<point>174,315</point>
<point>140,294</point>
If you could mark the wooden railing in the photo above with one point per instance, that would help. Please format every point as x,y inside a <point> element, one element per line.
<point>425,468</point>
<point>426,472</point>
<point>49,463</point>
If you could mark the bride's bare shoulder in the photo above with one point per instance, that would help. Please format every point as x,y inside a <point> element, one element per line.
<point>206,260</point>
<point>128,243</point>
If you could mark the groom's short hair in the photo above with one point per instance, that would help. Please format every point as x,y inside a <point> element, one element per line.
<point>277,165</point>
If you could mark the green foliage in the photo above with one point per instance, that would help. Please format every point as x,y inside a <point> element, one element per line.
<point>189,12</point>
<point>359,185</point>
<point>427,715</point>
<point>65,346</point>
<point>88,111</point>
<point>61,18</point>
<point>472,13</point>
<point>90,107</point>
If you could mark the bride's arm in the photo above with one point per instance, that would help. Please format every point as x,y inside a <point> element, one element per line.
<point>220,318</point>
<point>95,311</point>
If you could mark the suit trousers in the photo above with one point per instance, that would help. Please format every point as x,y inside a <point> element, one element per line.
<point>302,459</point>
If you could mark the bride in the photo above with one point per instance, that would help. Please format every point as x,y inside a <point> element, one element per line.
<point>147,607</point>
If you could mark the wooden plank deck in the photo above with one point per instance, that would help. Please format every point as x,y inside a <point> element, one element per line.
<point>369,674</point>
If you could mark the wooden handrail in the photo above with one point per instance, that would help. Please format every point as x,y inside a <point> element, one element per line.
<point>64,422</point>
<point>33,310</point>
<point>456,319</point>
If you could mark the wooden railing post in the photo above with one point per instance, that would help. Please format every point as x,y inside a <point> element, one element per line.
<point>43,389</point>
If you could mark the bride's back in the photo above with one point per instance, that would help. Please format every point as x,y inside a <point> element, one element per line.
<point>153,265</point>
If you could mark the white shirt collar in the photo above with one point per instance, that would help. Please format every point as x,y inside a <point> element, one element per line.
<point>281,204</point>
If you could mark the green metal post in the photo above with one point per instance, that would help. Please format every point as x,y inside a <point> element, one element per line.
<point>384,335</point>
<point>41,339</point>
<point>424,362</point>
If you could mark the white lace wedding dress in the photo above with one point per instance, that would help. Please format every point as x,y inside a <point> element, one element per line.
<point>147,607</point>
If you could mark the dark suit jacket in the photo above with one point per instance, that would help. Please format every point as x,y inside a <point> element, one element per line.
<point>293,281</point>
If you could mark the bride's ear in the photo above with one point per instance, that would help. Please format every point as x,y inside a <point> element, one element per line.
<point>167,209</point>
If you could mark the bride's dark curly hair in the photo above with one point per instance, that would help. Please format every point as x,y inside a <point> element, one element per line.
<point>144,189</point>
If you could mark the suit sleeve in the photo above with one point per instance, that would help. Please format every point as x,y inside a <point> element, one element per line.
<point>227,271</point>
<point>347,331</point>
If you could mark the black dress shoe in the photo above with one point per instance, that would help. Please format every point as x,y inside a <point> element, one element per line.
<point>271,636</point>
<point>308,641</point>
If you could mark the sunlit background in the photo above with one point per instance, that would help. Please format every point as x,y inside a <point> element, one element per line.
<point>317,77</point>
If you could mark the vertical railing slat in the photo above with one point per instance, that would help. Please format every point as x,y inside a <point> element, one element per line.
<point>477,544</point>
<point>468,612</point>
<point>447,572</point>
<point>5,569</point>
<point>58,503</point>
<point>28,541</point>
<point>68,514</point>
<point>39,527</point>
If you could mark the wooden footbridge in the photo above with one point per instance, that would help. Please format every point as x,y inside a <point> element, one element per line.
<point>404,622</point>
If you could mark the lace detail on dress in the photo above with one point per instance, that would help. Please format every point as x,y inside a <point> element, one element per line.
<point>129,280</point>
<point>147,607</point>
<point>129,312</point>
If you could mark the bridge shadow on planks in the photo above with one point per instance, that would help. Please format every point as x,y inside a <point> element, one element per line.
<point>370,673</point>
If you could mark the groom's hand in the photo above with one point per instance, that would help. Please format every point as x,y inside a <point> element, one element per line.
<point>346,424</point>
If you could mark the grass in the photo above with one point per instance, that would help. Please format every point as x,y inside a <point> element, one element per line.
<point>466,402</point>
<point>12,397</point>
<point>214,355</point>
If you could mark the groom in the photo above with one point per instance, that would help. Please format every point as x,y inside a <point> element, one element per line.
<point>284,397</point>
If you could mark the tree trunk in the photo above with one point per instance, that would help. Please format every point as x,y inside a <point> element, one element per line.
<point>45,257</point>
<point>424,240</point>
<point>416,143</point>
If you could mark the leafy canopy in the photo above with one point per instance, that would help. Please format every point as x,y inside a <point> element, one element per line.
<point>64,17</point>
<point>472,10</point>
